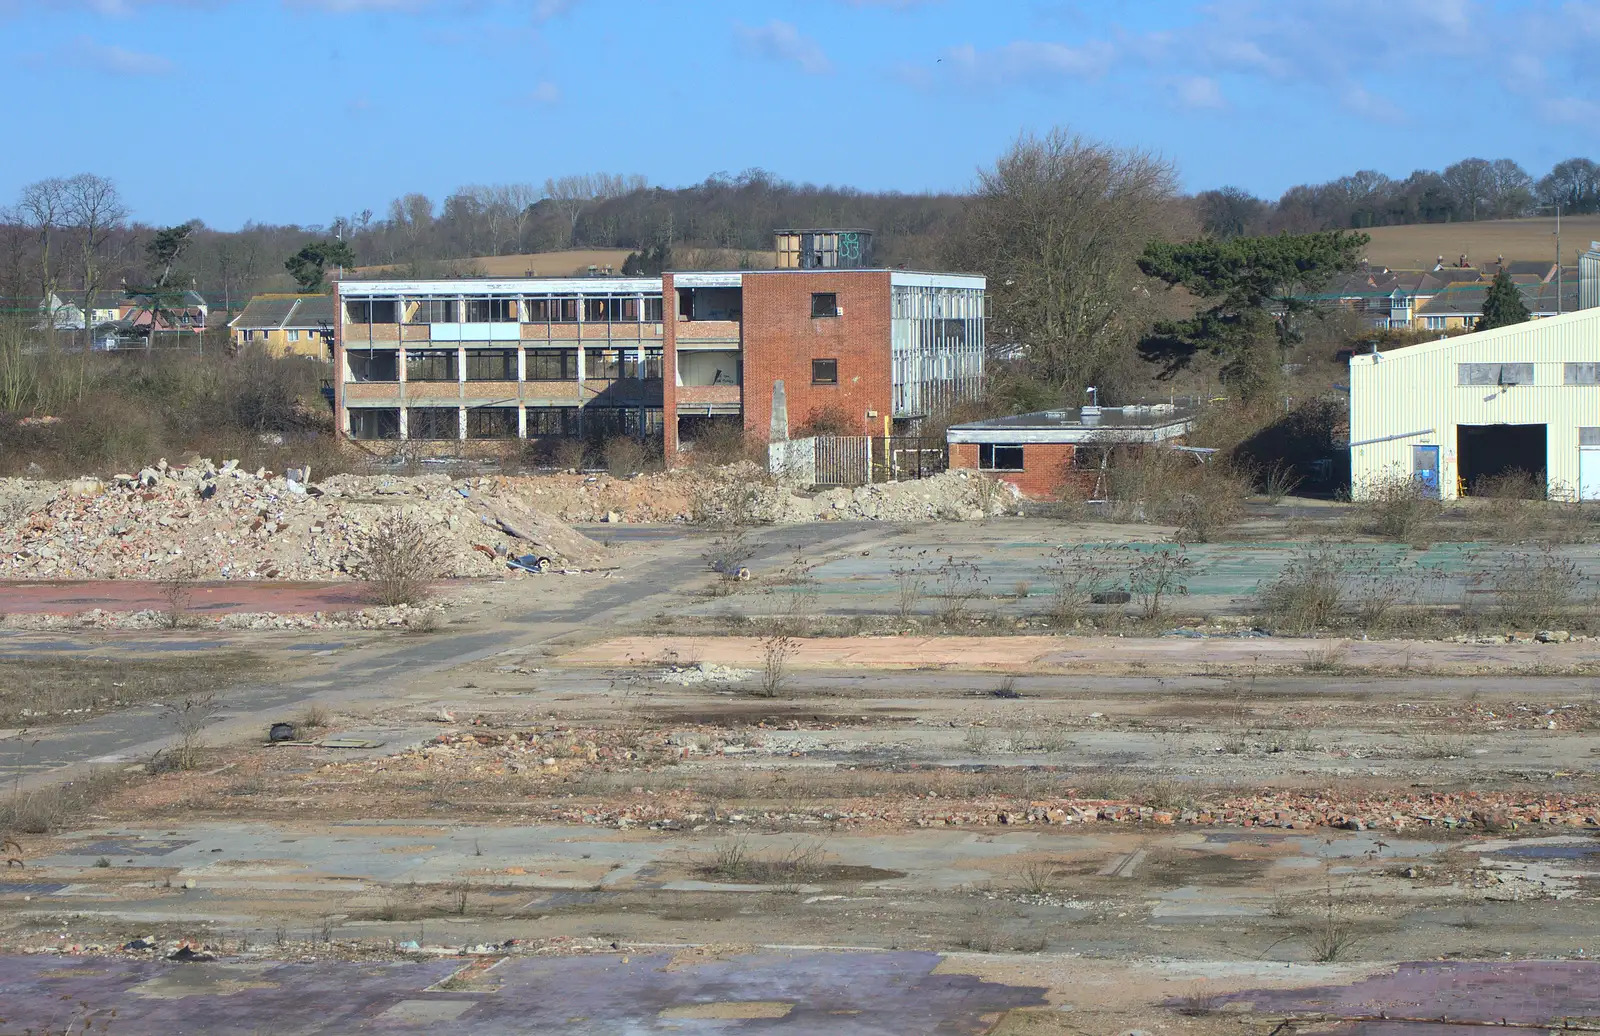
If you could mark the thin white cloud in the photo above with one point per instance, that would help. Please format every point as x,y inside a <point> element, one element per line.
<point>1368,105</point>
<point>1575,111</point>
<point>1198,92</point>
<point>781,41</point>
<point>118,61</point>
<point>1028,60</point>
<point>545,95</point>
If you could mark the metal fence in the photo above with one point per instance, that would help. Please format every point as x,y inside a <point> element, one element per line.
<point>856,460</point>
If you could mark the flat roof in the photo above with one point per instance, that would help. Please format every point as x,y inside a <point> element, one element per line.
<point>632,285</point>
<point>1134,423</point>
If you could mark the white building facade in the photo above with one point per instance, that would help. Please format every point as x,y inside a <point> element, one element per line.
<point>1448,413</point>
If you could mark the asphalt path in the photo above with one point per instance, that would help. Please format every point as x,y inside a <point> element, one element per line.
<point>56,753</point>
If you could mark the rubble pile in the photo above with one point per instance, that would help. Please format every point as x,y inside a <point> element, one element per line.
<point>218,522</point>
<point>685,495</point>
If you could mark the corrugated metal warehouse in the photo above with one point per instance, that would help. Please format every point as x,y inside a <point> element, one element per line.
<point>1451,412</point>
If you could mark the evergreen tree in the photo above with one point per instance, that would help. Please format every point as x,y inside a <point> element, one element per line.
<point>1251,289</point>
<point>309,265</point>
<point>1503,305</point>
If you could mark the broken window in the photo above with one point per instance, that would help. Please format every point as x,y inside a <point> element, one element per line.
<point>370,311</point>
<point>602,364</point>
<point>1582,374</point>
<point>652,363</point>
<point>432,311</point>
<point>552,365</point>
<point>491,311</point>
<point>492,422</point>
<point>1494,373</point>
<point>652,309</point>
<point>996,457</point>
<point>433,422</point>
<point>824,304</point>
<point>375,423</point>
<point>431,365</point>
<point>372,366</point>
<point>552,420</point>
<point>824,372</point>
<point>491,365</point>
<point>542,310</point>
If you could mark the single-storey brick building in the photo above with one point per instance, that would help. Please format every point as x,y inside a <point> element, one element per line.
<point>1040,454</point>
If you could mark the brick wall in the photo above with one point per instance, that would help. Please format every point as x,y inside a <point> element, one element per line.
<point>781,339</point>
<point>1045,468</point>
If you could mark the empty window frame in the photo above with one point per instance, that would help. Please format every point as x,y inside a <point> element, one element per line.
<point>433,422</point>
<point>652,309</point>
<point>492,422</point>
<point>1494,374</point>
<point>433,311</point>
<point>1581,374</point>
<point>379,365</point>
<point>552,420</point>
<point>491,365</point>
<point>491,311</point>
<point>375,423</point>
<point>998,457</point>
<point>547,310</point>
<point>824,304</point>
<point>552,365</point>
<point>824,372</point>
<point>615,309</point>
<point>431,365</point>
<point>370,311</point>
<point>605,364</point>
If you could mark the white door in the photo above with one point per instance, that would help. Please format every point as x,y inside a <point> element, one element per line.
<point>1589,473</point>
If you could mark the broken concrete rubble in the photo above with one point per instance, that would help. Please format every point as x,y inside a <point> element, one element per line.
<point>207,522</point>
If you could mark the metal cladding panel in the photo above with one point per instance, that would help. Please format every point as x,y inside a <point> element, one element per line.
<point>705,280</point>
<point>1412,397</point>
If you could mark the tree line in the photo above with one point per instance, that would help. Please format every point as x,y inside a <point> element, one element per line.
<point>1471,189</point>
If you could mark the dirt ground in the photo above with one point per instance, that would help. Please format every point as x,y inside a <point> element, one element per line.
<point>1164,830</point>
<point>1419,246</point>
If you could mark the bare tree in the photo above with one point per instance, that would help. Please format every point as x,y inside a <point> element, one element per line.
<point>42,210</point>
<point>520,198</point>
<point>1510,189</point>
<point>94,209</point>
<point>1056,225</point>
<point>1471,180</point>
<point>572,194</point>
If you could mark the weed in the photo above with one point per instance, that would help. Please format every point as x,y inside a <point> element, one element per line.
<point>1325,657</point>
<point>1308,591</point>
<point>957,583</point>
<point>910,582</point>
<point>1534,590</point>
<point>1398,507</point>
<point>728,556</point>
<point>398,561</point>
<point>313,717</point>
<point>977,740</point>
<point>177,592</point>
<point>1278,481</point>
<point>104,861</point>
<point>729,859</point>
<point>1157,575</point>
<point>776,650</point>
<point>1037,877</point>
<point>189,719</point>
<point>1333,932</point>
<point>1077,572</point>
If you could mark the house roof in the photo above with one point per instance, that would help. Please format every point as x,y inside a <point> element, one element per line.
<point>276,312</point>
<point>1540,298</point>
<point>1139,423</point>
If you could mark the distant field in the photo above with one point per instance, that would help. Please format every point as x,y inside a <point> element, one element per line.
<point>1419,247</point>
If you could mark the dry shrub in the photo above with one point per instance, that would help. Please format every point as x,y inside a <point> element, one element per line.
<point>1202,498</point>
<point>831,419</point>
<point>1535,590</point>
<point>44,810</point>
<point>398,561</point>
<point>718,443</point>
<point>1308,593</point>
<point>1395,507</point>
<point>625,455</point>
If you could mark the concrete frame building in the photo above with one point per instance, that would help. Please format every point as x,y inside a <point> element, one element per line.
<point>1447,413</point>
<point>469,365</point>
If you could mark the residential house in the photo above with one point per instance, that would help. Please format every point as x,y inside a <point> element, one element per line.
<point>287,325</point>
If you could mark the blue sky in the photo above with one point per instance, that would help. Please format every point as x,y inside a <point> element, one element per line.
<point>300,110</point>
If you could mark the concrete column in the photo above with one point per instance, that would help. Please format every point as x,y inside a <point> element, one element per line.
<point>404,432</point>
<point>461,363</point>
<point>522,363</point>
<point>522,421</point>
<point>461,422</point>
